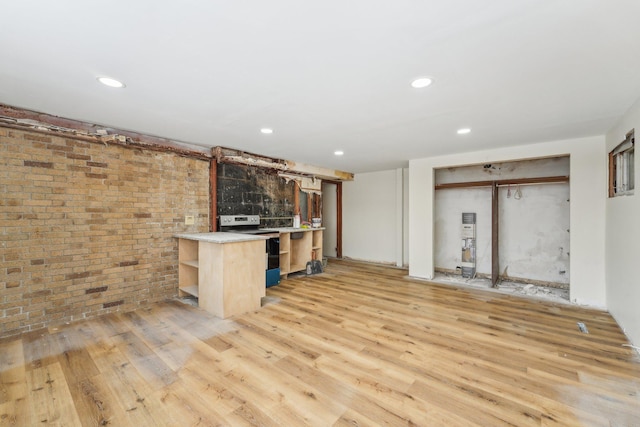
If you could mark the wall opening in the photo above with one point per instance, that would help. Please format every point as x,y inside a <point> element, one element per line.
<point>532,217</point>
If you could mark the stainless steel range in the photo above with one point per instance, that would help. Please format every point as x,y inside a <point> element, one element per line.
<point>250,224</point>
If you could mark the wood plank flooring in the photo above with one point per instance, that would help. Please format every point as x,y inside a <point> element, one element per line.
<point>359,345</point>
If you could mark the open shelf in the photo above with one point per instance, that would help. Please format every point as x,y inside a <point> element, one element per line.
<point>191,290</point>
<point>188,267</point>
<point>193,263</point>
<point>296,251</point>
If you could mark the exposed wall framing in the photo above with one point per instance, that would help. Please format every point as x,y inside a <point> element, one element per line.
<point>228,155</point>
<point>534,166</point>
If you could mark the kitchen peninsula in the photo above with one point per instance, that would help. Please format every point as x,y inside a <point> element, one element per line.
<point>225,271</point>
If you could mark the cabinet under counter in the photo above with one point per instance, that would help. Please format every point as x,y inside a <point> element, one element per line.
<point>297,247</point>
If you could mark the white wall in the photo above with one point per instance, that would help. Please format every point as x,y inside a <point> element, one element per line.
<point>373,218</point>
<point>587,217</point>
<point>623,235</point>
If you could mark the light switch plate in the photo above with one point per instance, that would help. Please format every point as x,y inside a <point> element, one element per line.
<point>189,220</point>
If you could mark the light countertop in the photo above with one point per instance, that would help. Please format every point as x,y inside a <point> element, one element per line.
<point>290,229</point>
<point>220,237</point>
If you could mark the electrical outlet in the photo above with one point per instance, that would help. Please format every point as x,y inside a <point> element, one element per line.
<point>189,220</point>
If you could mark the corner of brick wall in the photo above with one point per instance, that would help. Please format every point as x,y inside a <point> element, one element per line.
<point>86,228</point>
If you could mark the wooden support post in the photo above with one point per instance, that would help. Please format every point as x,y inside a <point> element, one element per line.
<point>612,175</point>
<point>339,219</point>
<point>495,264</point>
<point>317,212</point>
<point>213,195</point>
<point>296,199</point>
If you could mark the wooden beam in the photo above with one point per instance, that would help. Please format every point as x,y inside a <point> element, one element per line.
<point>502,182</point>
<point>229,155</point>
<point>495,261</point>
<point>320,172</point>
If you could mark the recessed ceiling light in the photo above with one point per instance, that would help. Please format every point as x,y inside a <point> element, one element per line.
<point>266,131</point>
<point>464,131</point>
<point>421,82</point>
<point>108,81</point>
<point>338,152</point>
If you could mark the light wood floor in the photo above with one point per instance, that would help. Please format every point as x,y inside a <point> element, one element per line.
<point>359,345</point>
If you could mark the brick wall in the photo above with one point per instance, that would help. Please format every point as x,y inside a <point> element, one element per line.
<point>252,190</point>
<point>86,228</point>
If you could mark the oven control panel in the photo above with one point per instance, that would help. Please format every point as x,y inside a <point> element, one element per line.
<point>234,220</point>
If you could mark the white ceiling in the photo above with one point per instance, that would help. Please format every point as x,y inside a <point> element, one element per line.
<point>328,75</point>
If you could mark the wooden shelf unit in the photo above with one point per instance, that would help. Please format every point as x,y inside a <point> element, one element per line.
<point>188,268</point>
<point>285,258</point>
<point>297,248</point>
<point>190,290</point>
<point>316,244</point>
<point>228,278</point>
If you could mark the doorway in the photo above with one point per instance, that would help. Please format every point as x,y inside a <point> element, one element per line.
<point>331,219</point>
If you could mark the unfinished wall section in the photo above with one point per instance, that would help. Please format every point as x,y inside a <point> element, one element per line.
<point>253,190</point>
<point>86,228</point>
<point>587,208</point>
<point>533,220</point>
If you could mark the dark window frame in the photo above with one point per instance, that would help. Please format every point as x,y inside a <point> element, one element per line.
<point>622,167</point>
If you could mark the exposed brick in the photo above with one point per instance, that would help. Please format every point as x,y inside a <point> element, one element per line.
<point>128,263</point>
<point>13,311</point>
<point>112,304</point>
<point>78,156</point>
<point>77,143</point>
<point>36,294</point>
<point>76,240</point>
<point>34,164</point>
<point>98,164</point>
<point>60,150</point>
<point>76,168</point>
<point>96,175</point>
<point>81,275</point>
<point>33,137</point>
